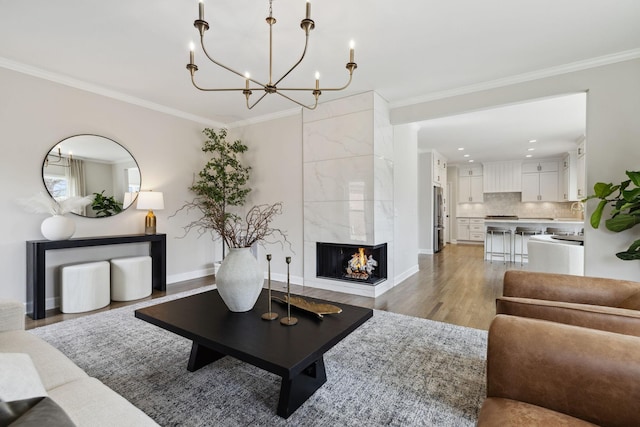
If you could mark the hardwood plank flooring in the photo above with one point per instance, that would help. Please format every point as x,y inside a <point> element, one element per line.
<point>455,286</point>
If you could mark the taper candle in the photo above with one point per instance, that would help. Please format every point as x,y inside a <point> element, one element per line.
<point>201,10</point>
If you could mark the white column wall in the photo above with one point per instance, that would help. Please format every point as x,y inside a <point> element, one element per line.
<point>348,179</point>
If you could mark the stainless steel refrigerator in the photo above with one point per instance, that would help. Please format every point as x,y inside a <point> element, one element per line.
<point>438,219</point>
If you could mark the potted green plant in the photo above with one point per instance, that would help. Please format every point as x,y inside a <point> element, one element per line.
<point>105,206</point>
<point>625,201</point>
<point>220,193</point>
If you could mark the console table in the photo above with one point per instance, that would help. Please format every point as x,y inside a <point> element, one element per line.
<point>36,262</point>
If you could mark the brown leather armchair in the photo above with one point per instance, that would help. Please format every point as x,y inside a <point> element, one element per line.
<point>542,373</point>
<point>593,302</point>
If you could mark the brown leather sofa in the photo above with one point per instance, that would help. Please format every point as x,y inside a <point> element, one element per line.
<point>542,373</point>
<point>593,302</point>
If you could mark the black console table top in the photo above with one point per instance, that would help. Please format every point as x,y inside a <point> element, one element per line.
<point>295,353</point>
<point>36,262</point>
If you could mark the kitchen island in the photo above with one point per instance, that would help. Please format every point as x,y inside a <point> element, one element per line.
<point>518,247</point>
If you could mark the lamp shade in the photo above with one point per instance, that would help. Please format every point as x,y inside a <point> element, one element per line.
<point>150,200</point>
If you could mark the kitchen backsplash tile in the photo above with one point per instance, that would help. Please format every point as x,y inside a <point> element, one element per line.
<point>510,204</point>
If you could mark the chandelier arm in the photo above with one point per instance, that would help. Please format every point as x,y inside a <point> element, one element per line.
<point>299,103</point>
<point>322,88</point>
<point>255,103</point>
<point>304,52</point>
<point>226,68</point>
<point>204,89</point>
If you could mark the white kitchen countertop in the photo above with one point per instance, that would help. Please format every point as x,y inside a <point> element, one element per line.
<point>536,221</point>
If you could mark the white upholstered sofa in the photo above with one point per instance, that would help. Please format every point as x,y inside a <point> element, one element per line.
<point>85,400</point>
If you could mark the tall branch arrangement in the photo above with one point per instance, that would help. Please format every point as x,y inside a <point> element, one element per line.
<point>221,184</point>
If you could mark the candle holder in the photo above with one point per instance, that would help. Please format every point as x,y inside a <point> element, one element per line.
<point>288,321</point>
<point>269,315</point>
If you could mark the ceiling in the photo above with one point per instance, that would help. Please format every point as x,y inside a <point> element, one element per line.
<point>406,51</point>
<point>538,129</point>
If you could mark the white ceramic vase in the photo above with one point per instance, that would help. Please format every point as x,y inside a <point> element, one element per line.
<point>239,280</point>
<point>58,227</point>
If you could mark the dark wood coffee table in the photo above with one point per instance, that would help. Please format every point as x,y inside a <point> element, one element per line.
<point>295,353</point>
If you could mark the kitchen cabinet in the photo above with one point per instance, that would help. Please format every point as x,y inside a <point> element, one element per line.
<point>580,171</point>
<point>502,177</point>
<point>569,186</point>
<point>476,229</point>
<point>471,229</point>
<point>540,181</point>
<point>439,169</point>
<point>470,188</point>
<point>463,229</point>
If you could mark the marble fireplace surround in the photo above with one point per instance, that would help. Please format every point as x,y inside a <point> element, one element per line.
<point>348,184</point>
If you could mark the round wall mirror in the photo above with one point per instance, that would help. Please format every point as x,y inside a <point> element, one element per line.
<point>85,165</point>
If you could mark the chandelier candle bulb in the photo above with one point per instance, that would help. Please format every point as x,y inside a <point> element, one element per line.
<point>192,48</point>
<point>317,80</point>
<point>308,9</point>
<point>201,10</point>
<point>351,47</point>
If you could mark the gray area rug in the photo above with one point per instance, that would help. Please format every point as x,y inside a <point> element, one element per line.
<point>394,370</point>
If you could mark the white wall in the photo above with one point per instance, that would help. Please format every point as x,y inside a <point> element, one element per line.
<point>613,139</point>
<point>405,202</point>
<point>425,203</point>
<point>34,115</point>
<point>275,155</point>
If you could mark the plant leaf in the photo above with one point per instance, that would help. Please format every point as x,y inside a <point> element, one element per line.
<point>604,190</point>
<point>633,253</point>
<point>635,177</point>
<point>597,214</point>
<point>622,222</point>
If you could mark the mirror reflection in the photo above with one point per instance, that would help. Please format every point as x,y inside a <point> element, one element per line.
<point>84,165</point>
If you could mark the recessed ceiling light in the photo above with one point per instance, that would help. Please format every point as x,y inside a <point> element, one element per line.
<point>530,149</point>
<point>533,140</point>
<point>461,149</point>
<point>529,155</point>
<point>467,155</point>
<point>471,161</point>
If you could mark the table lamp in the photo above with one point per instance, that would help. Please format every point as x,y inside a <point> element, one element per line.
<point>150,200</point>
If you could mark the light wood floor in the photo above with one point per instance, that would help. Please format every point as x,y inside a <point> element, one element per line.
<point>455,286</point>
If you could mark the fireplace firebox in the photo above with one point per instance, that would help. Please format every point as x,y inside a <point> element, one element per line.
<point>354,263</point>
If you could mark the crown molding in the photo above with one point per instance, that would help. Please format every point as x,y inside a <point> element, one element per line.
<point>522,78</point>
<point>493,84</point>
<point>99,90</point>
<point>265,118</point>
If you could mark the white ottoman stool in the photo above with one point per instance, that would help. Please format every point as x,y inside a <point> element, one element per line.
<point>85,287</point>
<point>130,278</point>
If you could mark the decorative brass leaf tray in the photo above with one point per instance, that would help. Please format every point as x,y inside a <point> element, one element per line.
<point>319,309</point>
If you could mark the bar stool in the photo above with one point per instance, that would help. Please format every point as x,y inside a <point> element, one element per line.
<point>488,243</point>
<point>555,231</point>
<point>522,232</point>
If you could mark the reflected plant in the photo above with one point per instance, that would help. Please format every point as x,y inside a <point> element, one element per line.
<point>105,206</point>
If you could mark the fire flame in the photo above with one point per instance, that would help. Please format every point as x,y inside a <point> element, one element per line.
<point>362,259</point>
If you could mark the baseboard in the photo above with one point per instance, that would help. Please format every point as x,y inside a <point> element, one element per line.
<point>406,274</point>
<point>425,251</point>
<point>189,275</point>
